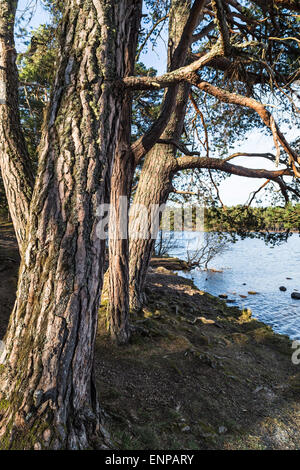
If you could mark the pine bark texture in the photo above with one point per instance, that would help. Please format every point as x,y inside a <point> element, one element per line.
<point>155,182</point>
<point>47,391</point>
<point>121,182</point>
<point>15,163</point>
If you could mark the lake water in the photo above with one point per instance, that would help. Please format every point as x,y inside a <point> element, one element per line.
<point>251,265</point>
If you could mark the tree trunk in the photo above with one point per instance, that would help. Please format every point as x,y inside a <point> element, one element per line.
<point>155,182</point>
<point>154,187</point>
<point>15,163</point>
<point>122,176</point>
<point>47,391</point>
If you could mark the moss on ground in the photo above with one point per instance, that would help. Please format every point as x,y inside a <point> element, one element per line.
<point>198,374</point>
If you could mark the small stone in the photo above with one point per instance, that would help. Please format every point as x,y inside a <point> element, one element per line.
<point>47,435</point>
<point>222,430</point>
<point>223,296</point>
<point>186,429</point>
<point>295,295</point>
<point>243,296</point>
<point>282,288</point>
<point>37,446</point>
<point>252,292</point>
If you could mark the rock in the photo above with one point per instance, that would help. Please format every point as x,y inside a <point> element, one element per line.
<point>244,284</point>
<point>243,296</point>
<point>230,301</point>
<point>252,292</point>
<point>295,295</point>
<point>282,288</point>
<point>289,278</point>
<point>204,320</point>
<point>223,296</point>
<point>186,429</point>
<point>222,430</point>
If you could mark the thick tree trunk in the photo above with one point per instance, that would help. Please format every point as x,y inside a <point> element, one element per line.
<point>15,164</point>
<point>155,182</point>
<point>47,391</point>
<point>122,176</point>
<point>154,187</point>
<point>121,182</point>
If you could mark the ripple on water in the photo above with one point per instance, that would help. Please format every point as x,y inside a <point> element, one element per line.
<point>250,265</point>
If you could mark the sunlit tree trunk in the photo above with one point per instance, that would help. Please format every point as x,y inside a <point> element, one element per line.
<point>15,164</point>
<point>158,170</point>
<point>154,188</point>
<point>122,176</point>
<point>47,390</point>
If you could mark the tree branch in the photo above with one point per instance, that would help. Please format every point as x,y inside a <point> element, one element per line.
<point>184,163</point>
<point>259,108</point>
<point>178,145</point>
<point>175,76</point>
<point>148,140</point>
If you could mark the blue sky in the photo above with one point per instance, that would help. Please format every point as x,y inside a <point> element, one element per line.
<point>234,190</point>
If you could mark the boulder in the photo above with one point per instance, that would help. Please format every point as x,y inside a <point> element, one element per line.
<point>282,288</point>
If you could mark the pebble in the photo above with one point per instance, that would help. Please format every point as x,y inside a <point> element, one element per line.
<point>222,430</point>
<point>223,296</point>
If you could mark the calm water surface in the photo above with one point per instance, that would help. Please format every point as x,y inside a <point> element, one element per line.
<point>250,265</point>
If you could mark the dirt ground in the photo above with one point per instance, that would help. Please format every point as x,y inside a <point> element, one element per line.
<point>197,374</point>
<point>9,264</point>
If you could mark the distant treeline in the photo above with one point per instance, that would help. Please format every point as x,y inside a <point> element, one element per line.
<point>257,219</point>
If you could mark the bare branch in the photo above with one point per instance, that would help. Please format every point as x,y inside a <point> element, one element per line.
<point>204,32</point>
<point>149,35</point>
<point>178,145</point>
<point>254,194</point>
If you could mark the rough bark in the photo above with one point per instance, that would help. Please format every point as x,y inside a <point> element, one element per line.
<point>183,21</point>
<point>15,163</point>
<point>155,182</point>
<point>47,391</point>
<point>121,182</point>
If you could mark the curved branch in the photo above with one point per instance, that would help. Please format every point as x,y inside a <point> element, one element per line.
<point>184,163</point>
<point>259,108</point>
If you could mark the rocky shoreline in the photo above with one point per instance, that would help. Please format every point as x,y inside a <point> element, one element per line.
<point>198,374</point>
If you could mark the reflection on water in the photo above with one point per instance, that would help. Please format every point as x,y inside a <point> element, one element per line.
<point>250,265</point>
